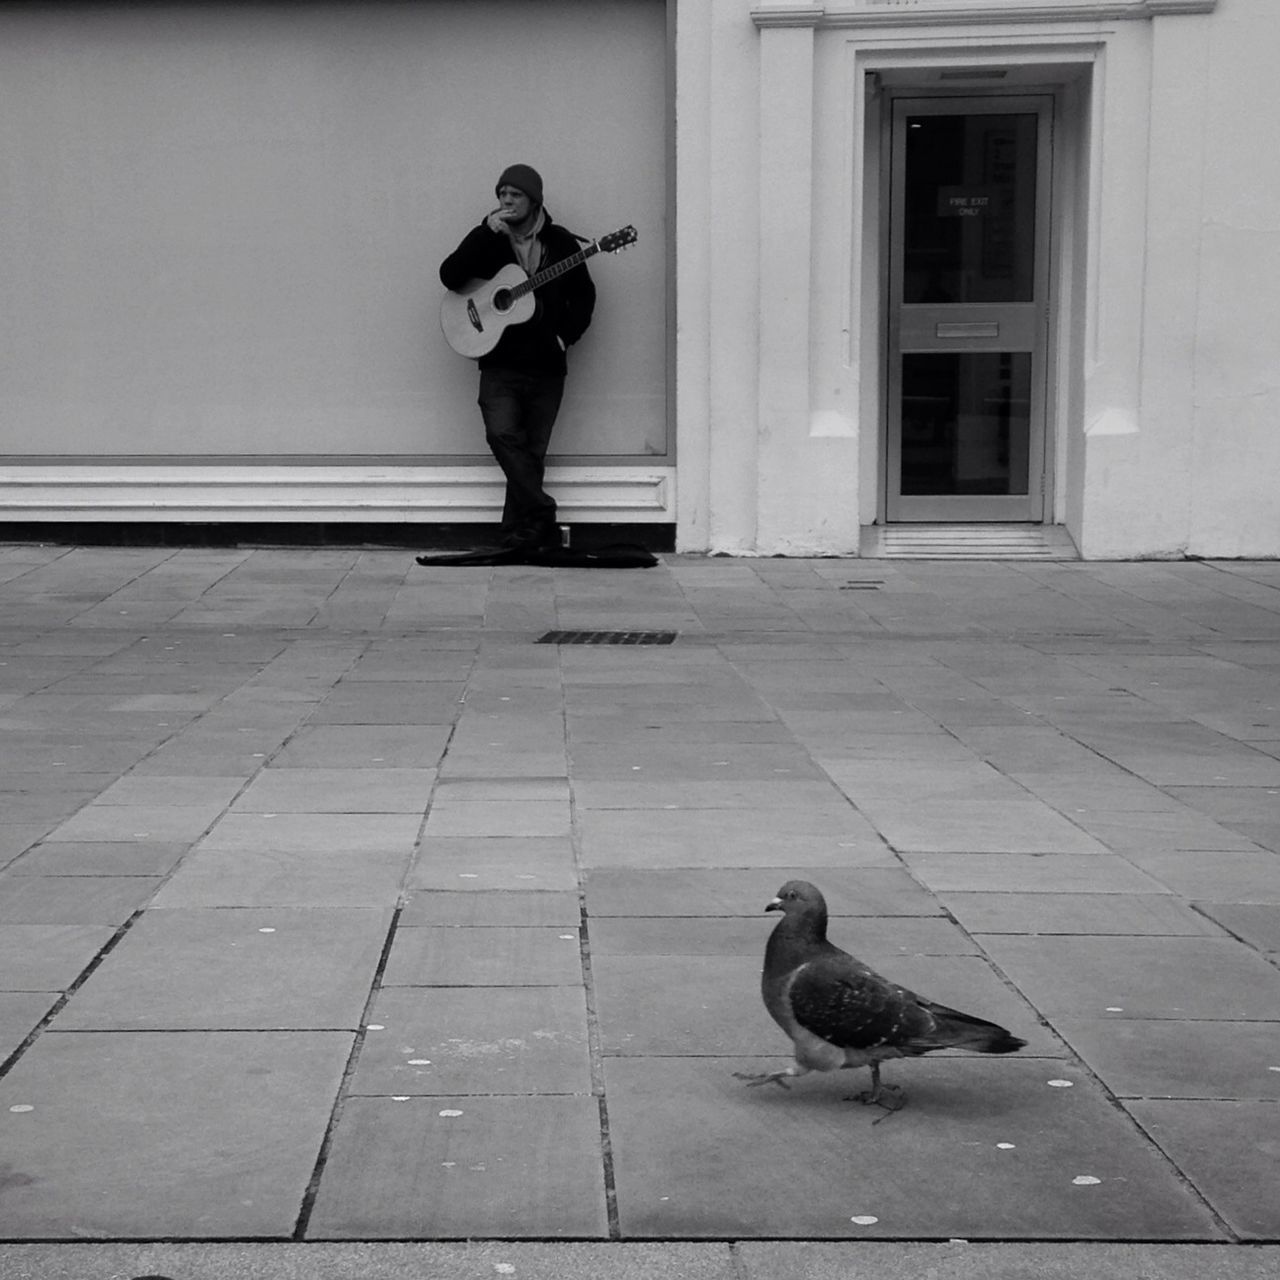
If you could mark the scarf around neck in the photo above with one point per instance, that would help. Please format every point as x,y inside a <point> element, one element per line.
<point>528,247</point>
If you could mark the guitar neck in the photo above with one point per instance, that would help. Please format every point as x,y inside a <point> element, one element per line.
<point>555,270</point>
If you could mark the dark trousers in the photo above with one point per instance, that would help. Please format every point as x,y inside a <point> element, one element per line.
<point>519,411</point>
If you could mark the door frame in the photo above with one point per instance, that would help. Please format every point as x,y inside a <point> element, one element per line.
<point>1036,506</point>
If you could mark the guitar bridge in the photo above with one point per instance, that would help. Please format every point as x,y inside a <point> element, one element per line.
<point>474,316</point>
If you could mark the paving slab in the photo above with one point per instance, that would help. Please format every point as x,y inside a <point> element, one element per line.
<point>1125,914</point>
<point>17,838</point>
<point>636,727</point>
<point>167,790</point>
<point>741,837</point>
<point>209,1134</point>
<point>20,1014</point>
<point>738,891</point>
<point>906,780</point>
<point>502,789</point>
<point>1212,978</point>
<point>1030,873</point>
<point>101,858</point>
<point>1144,1058</point>
<point>350,833</point>
<point>444,1042</point>
<point>720,936</point>
<point>103,900</point>
<point>1228,1151</point>
<point>391,702</point>
<point>483,957</point>
<point>928,824</point>
<point>528,908</point>
<point>360,746</point>
<point>479,731</point>
<point>235,877</point>
<point>1167,830</point>
<point>228,969</point>
<point>1257,924</point>
<point>42,747</point>
<point>391,661</point>
<point>313,790</point>
<point>711,1006</point>
<point>1252,811</point>
<point>1181,754</point>
<point>984,1148</point>
<point>1039,749</point>
<point>1075,794</point>
<point>390,1260</point>
<point>811,795</point>
<point>714,761</point>
<point>965,1260</point>
<point>108,822</point>
<point>218,754</point>
<point>504,762</point>
<point>492,863</point>
<point>492,817</point>
<point>461,1167</point>
<point>53,799</point>
<point>1224,876</point>
<point>47,957</point>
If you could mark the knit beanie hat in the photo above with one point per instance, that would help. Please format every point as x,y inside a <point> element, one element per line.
<point>524,178</point>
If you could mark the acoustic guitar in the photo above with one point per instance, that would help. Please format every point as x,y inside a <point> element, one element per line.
<point>474,318</point>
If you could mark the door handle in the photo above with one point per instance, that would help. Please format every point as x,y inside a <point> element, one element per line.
<point>967,329</point>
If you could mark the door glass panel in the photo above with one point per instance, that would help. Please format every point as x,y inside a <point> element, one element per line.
<point>969,209</point>
<point>965,423</point>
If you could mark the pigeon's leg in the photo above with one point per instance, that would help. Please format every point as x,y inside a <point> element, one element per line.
<point>889,1096</point>
<point>779,1078</point>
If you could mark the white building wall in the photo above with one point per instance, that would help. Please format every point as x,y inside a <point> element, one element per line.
<point>222,230</point>
<point>1166,432</point>
<point>1234,459</point>
<point>224,223</point>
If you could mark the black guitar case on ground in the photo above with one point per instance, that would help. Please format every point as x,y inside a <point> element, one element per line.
<point>617,556</point>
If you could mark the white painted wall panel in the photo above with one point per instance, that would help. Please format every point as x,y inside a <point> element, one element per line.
<point>222,225</point>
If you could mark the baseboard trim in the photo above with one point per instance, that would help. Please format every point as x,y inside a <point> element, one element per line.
<point>321,494</point>
<point>281,534</point>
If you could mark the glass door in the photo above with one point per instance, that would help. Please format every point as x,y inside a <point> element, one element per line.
<point>968,255</point>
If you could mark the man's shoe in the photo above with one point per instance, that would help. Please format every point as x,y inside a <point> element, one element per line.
<point>546,538</point>
<point>514,539</point>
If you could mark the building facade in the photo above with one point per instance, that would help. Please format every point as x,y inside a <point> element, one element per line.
<point>901,266</point>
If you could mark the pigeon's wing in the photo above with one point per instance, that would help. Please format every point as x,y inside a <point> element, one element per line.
<point>847,1004</point>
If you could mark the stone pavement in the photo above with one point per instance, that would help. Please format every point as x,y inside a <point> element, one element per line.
<point>336,910</point>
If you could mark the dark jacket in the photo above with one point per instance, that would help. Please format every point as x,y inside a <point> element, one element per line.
<point>564,305</point>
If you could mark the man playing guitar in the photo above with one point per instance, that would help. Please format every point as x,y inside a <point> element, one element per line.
<point>522,376</point>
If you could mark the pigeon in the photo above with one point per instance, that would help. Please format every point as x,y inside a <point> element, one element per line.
<point>840,1013</point>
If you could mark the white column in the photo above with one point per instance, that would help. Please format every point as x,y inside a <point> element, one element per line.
<point>807,453</point>
<point>1112,509</point>
<point>786,218</point>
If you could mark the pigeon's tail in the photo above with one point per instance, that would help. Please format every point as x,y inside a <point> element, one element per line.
<point>955,1030</point>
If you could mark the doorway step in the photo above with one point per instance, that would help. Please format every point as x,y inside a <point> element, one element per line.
<point>968,542</point>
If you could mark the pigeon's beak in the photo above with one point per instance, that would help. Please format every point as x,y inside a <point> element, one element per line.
<point>775,905</point>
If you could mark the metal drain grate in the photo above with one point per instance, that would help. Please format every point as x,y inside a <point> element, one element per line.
<point>608,637</point>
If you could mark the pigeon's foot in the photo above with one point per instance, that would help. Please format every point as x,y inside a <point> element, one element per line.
<point>891,1097</point>
<point>767,1077</point>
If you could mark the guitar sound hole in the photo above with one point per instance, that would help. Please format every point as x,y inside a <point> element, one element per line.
<point>502,300</point>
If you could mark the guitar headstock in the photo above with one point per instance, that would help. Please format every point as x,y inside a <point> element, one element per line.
<point>616,241</point>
